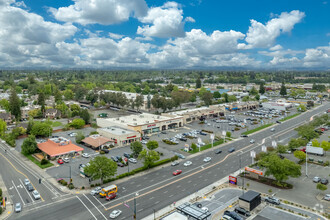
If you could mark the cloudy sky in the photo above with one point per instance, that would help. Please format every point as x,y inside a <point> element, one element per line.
<point>157,34</point>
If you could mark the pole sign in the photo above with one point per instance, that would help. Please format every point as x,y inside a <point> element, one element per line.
<point>274,144</point>
<point>199,140</point>
<point>212,137</point>
<point>253,154</point>
<point>124,159</point>
<point>233,180</point>
<point>263,148</point>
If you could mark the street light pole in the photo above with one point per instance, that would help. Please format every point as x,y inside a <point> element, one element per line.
<point>306,164</point>
<point>240,170</point>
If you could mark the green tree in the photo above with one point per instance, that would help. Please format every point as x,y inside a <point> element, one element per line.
<point>29,145</point>
<point>80,136</point>
<point>281,149</point>
<point>262,88</point>
<point>216,95</point>
<point>3,127</point>
<point>15,104</point>
<point>68,94</point>
<point>202,91</point>
<point>253,91</point>
<point>139,101</point>
<point>41,101</point>
<point>77,123</point>
<point>300,155</point>
<point>280,169</point>
<point>148,101</point>
<point>225,95</point>
<point>301,108</point>
<point>207,98</point>
<point>228,134</point>
<point>92,96</point>
<point>84,114</point>
<point>325,145</point>
<point>198,83</point>
<point>283,90</point>
<point>194,147</point>
<point>101,167</point>
<point>136,148</point>
<point>321,187</point>
<point>41,129</point>
<point>296,143</point>
<point>307,132</point>
<point>257,97</point>
<point>148,157</point>
<point>152,145</point>
<point>315,143</point>
<point>246,98</point>
<point>232,98</point>
<point>5,105</point>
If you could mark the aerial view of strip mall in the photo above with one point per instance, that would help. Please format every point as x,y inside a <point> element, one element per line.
<point>164,110</point>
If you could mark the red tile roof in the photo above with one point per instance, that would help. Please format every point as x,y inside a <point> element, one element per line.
<point>55,149</point>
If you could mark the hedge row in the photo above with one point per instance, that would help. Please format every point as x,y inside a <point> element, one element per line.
<point>140,169</point>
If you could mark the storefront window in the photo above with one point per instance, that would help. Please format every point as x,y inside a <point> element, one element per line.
<point>155,130</point>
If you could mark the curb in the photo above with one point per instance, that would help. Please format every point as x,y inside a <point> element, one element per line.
<point>6,213</point>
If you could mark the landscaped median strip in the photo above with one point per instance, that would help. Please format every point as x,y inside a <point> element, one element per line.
<point>257,129</point>
<point>289,117</point>
<point>206,147</point>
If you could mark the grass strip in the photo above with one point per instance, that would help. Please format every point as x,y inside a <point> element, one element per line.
<point>257,129</point>
<point>289,117</point>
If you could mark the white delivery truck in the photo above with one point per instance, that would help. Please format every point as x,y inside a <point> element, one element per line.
<point>315,150</point>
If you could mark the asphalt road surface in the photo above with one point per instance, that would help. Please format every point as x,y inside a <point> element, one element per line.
<point>159,188</point>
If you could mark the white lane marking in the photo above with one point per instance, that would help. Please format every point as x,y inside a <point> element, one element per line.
<point>98,201</point>
<point>95,206</point>
<point>27,191</point>
<point>18,193</point>
<point>165,191</point>
<point>86,207</point>
<point>170,195</point>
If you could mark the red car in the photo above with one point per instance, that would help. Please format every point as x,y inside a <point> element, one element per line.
<point>177,172</point>
<point>60,161</point>
<point>111,196</point>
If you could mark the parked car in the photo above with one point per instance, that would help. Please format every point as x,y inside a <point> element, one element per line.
<point>177,172</point>
<point>198,204</point>
<point>324,181</point>
<point>132,160</point>
<point>144,142</point>
<point>273,200</point>
<point>218,151</point>
<point>106,151</point>
<point>174,163</point>
<point>127,155</point>
<point>29,187</point>
<point>111,196</point>
<point>96,191</point>
<point>226,217</point>
<point>202,133</point>
<point>60,161</point>
<point>242,211</point>
<point>183,139</point>
<point>66,160</point>
<point>115,213</point>
<point>327,197</point>
<point>18,207</point>
<point>181,156</point>
<point>86,155</point>
<point>36,195</point>
<point>114,158</point>
<point>316,179</point>
<point>207,159</point>
<point>252,141</point>
<point>244,136</point>
<point>205,209</point>
<point>26,181</point>
<point>120,164</point>
<point>234,215</point>
<point>188,163</point>
<point>231,150</point>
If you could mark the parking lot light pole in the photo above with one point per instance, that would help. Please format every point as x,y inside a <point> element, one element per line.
<point>306,164</point>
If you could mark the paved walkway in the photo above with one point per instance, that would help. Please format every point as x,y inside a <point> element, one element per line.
<point>9,204</point>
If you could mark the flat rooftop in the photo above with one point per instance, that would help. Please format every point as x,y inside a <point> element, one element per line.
<point>118,130</point>
<point>141,119</point>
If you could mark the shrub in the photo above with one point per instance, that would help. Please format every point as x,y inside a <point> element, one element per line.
<point>0,192</point>
<point>326,163</point>
<point>44,161</point>
<point>93,132</point>
<point>63,182</point>
<point>71,186</point>
<point>102,152</point>
<point>82,187</point>
<point>92,185</point>
<point>237,129</point>
<point>0,210</point>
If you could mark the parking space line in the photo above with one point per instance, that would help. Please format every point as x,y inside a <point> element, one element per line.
<point>18,192</point>
<point>86,207</point>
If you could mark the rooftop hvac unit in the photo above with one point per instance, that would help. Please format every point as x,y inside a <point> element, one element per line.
<point>147,121</point>
<point>135,124</point>
<point>123,132</point>
<point>117,119</point>
<point>122,121</point>
<point>134,119</point>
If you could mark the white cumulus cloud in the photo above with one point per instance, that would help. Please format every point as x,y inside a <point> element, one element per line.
<point>104,12</point>
<point>261,36</point>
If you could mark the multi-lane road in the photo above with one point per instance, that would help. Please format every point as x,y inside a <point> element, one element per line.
<point>152,191</point>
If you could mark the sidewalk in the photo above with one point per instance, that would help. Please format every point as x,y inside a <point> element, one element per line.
<point>9,204</point>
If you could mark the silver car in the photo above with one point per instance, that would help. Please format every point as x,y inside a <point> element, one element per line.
<point>26,182</point>
<point>36,195</point>
<point>18,207</point>
<point>327,197</point>
<point>96,191</point>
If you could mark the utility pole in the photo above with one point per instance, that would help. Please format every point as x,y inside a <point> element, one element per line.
<point>306,163</point>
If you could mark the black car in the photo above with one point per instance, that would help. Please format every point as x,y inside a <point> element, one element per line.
<point>183,139</point>
<point>202,133</point>
<point>127,155</point>
<point>145,138</point>
<point>234,215</point>
<point>163,132</point>
<point>231,150</point>
<point>324,181</point>
<point>106,151</point>
<point>29,187</point>
<point>218,151</point>
<point>244,136</point>
<point>198,204</point>
<point>278,122</point>
<point>118,157</point>
<point>242,211</point>
<point>114,159</point>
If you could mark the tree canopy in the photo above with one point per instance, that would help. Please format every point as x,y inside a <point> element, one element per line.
<point>101,167</point>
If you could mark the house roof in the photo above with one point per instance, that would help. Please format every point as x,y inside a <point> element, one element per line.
<point>96,140</point>
<point>58,146</point>
<point>5,115</point>
<point>249,196</point>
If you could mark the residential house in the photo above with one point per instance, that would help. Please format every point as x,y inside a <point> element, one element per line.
<point>52,113</point>
<point>7,117</point>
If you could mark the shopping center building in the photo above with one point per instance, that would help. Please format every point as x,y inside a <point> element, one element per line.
<point>144,123</point>
<point>119,135</point>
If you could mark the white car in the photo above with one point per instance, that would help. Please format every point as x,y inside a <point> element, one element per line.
<point>86,155</point>
<point>96,191</point>
<point>188,163</point>
<point>252,141</point>
<point>26,182</point>
<point>18,207</point>
<point>73,134</point>
<point>144,142</point>
<point>132,160</point>
<point>36,195</point>
<point>115,213</point>
<point>273,129</point>
<point>207,159</point>
<point>66,160</point>
<point>205,209</point>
